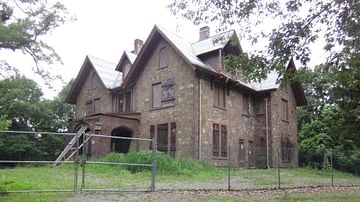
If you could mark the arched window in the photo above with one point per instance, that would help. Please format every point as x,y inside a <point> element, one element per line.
<point>92,80</point>
<point>163,58</point>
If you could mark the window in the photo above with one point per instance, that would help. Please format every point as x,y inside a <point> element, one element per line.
<point>126,69</point>
<point>127,102</point>
<point>163,58</point>
<point>285,115</point>
<point>246,104</point>
<point>163,94</point>
<point>97,105</point>
<point>286,148</point>
<point>165,135</point>
<point>241,150</point>
<point>92,80</point>
<point>124,102</point>
<point>219,140</point>
<point>219,95</point>
<point>88,107</point>
<point>156,93</point>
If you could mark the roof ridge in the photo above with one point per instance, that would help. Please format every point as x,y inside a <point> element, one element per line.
<point>218,34</point>
<point>97,58</point>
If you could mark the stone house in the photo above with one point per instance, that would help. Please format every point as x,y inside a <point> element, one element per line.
<point>180,94</point>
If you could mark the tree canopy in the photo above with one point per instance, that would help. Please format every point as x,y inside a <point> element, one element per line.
<point>295,25</point>
<point>23,23</point>
<point>289,29</point>
<point>22,108</point>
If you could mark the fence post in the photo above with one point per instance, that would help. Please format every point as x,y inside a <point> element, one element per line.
<point>229,164</point>
<point>76,161</point>
<point>331,168</point>
<point>153,170</point>
<point>278,168</point>
<point>83,161</point>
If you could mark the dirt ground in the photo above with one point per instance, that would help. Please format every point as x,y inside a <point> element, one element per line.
<point>204,195</point>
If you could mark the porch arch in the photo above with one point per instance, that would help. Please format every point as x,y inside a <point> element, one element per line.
<point>121,145</point>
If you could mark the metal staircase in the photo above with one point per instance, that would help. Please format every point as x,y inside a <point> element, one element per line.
<point>72,146</point>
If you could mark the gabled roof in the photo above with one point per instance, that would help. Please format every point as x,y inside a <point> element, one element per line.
<point>105,71</point>
<point>216,42</point>
<point>125,56</point>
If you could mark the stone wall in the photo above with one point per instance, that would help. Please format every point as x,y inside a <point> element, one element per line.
<point>240,125</point>
<point>88,92</point>
<point>183,113</point>
<point>279,126</point>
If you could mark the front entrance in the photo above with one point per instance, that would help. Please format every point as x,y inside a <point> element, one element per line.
<point>118,144</point>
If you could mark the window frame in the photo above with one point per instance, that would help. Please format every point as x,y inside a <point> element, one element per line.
<point>284,110</point>
<point>219,95</point>
<point>165,88</point>
<point>171,130</point>
<point>219,141</point>
<point>246,104</point>
<point>163,58</point>
<point>122,106</point>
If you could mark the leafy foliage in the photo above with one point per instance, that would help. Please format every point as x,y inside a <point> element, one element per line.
<point>24,109</point>
<point>23,23</point>
<point>295,25</point>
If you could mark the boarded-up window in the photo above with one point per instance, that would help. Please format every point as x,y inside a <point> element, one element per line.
<point>128,102</point>
<point>219,95</point>
<point>241,150</point>
<point>163,94</point>
<point>219,140</point>
<point>156,95</point>
<point>168,95</point>
<point>88,107</point>
<point>285,115</point>
<point>246,104</point>
<point>97,105</point>
<point>163,58</point>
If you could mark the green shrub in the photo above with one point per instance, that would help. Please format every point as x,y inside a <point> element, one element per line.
<point>165,164</point>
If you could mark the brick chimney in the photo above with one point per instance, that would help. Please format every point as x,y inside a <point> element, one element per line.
<point>204,33</point>
<point>137,46</point>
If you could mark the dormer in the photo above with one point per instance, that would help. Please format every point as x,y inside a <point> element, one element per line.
<point>125,63</point>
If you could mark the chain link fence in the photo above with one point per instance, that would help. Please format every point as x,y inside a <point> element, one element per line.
<point>36,162</point>
<point>27,164</point>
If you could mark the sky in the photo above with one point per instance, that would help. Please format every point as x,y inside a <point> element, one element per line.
<point>104,29</point>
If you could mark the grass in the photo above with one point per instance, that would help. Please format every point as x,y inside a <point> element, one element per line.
<point>172,174</point>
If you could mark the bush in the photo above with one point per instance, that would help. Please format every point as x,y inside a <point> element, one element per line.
<point>343,160</point>
<point>165,163</point>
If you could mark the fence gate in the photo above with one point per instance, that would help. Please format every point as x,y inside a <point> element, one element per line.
<point>28,164</point>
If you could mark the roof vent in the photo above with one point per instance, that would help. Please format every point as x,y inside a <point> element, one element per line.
<point>204,33</point>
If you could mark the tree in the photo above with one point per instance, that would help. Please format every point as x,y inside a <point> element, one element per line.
<point>23,23</point>
<point>296,24</point>
<point>21,103</point>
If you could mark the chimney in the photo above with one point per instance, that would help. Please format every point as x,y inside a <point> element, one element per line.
<point>204,33</point>
<point>137,46</point>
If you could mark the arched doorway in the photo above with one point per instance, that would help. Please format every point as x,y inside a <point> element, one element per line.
<point>120,145</point>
